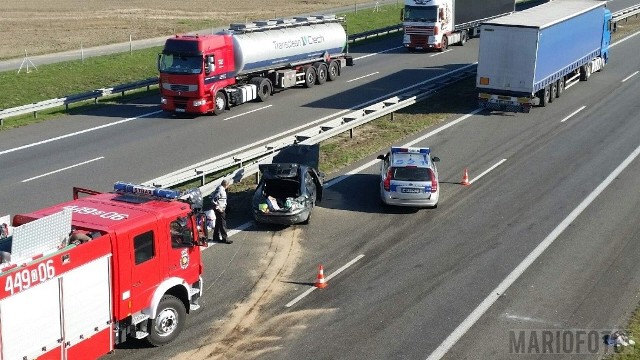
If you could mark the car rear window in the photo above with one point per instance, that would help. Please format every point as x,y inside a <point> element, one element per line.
<point>411,174</point>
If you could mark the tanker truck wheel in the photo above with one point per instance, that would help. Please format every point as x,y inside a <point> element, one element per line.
<point>309,76</point>
<point>220,103</point>
<point>169,321</point>
<point>334,70</point>
<point>264,87</point>
<point>321,72</point>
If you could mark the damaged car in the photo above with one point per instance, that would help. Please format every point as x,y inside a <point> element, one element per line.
<point>289,187</point>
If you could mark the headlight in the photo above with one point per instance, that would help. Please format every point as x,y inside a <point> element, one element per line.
<point>163,101</point>
<point>200,102</point>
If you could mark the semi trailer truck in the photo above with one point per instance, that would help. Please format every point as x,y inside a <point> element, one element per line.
<point>528,58</point>
<point>436,24</point>
<point>211,73</point>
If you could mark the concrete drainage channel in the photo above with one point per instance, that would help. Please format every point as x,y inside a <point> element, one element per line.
<point>247,160</point>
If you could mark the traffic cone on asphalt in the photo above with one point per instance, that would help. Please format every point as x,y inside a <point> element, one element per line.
<point>320,283</point>
<point>465,178</point>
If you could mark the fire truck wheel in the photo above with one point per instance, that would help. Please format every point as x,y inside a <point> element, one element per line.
<point>321,71</point>
<point>221,103</point>
<point>169,321</point>
<point>309,76</point>
<point>334,70</point>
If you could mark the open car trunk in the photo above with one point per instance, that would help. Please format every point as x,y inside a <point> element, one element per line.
<point>279,194</point>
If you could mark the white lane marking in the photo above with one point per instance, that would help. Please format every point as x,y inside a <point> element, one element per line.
<point>311,289</point>
<point>630,76</point>
<point>248,112</point>
<point>76,133</point>
<point>624,39</point>
<point>63,169</point>
<point>336,114</point>
<point>487,171</point>
<point>571,81</point>
<point>379,52</point>
<point>411,143</point>
<point>440,53</point>
<point>495,294</point>
<point>362,77</point>
<point>573,113</point>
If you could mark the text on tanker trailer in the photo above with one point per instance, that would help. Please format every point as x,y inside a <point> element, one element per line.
<point>436,24</point>
<point>210,73</point>
<point>84,275</point>
<point>527,58</point>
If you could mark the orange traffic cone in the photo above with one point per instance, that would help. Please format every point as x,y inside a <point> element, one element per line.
<point>465,178</point>
<point>320,283</point>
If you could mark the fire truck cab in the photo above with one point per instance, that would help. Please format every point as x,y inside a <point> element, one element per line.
<point>82,276</point>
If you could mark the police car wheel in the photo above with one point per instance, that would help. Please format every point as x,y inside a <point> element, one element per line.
<point>168,323</point>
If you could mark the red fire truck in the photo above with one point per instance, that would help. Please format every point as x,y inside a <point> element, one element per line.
<point>82,276</point>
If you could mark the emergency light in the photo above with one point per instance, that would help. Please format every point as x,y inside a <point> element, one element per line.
<point>136,189</point>
<point>396,150</point>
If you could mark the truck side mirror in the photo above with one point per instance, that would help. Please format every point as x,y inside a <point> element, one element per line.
<point>159,59</point>
<point>210,66</point>
<point>401,14</point>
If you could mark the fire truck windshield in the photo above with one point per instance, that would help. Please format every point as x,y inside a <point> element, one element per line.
<point>179,64</point>
<point>421,13</point>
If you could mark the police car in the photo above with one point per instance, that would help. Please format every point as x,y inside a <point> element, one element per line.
<point>408,177</point>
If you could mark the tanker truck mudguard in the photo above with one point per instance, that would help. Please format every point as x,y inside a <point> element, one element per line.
<point>528,58</point>
<point>436,24</point>
<point>202,74</point>
<point>85,275</point>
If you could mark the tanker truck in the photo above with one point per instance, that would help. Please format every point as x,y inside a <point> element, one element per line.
<point>436,24</point>
<point>202,74</point>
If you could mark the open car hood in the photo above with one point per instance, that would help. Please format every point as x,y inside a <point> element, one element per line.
<point>308,155</point>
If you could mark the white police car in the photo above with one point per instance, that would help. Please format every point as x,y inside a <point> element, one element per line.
<point>408,177</point>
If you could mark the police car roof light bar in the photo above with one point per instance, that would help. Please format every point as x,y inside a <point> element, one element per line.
<point>425,150</point>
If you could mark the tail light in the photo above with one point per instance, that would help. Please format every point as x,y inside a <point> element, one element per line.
<point>434,181</point>
<point>387,180</point>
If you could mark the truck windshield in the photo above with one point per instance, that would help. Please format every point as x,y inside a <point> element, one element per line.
<point>421,13</point>
<point>178,64</point>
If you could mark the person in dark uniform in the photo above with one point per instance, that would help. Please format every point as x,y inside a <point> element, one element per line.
<point>219,207</point>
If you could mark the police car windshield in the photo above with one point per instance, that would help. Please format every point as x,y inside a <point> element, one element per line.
<point>411,174</point>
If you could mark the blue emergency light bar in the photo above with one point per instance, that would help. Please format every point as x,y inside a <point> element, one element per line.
<point>412,150</point>
<point>128,188</point>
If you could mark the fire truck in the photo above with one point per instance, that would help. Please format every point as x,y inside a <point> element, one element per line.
<point>85,275</point>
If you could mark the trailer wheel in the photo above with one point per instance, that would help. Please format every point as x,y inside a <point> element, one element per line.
<point>321,72</point>
<point>544,96</point>
<point>463,37</point>
<point>264,87</point>
<point>334,70</point>
<point>309,76</point>
<point>560,87</point>
<point>585,71</point>
<point>169,321</point>
<point>553,91</point>
<point>220,103</point>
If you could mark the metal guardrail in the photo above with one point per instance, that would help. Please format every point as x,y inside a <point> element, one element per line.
<point>624,14</point>
<point>245,163</point>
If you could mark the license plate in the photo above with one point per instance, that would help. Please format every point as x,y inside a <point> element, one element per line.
<point>179,110</point>
<point>411,190</point>
<point>504,102</point>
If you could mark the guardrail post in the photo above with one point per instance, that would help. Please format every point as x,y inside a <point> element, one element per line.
<point>35,114</point>
<point>257,177</point>
<point>393,117</point>
<point>351,133</point>
<point>202,180</point>
<point>1,122</point>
